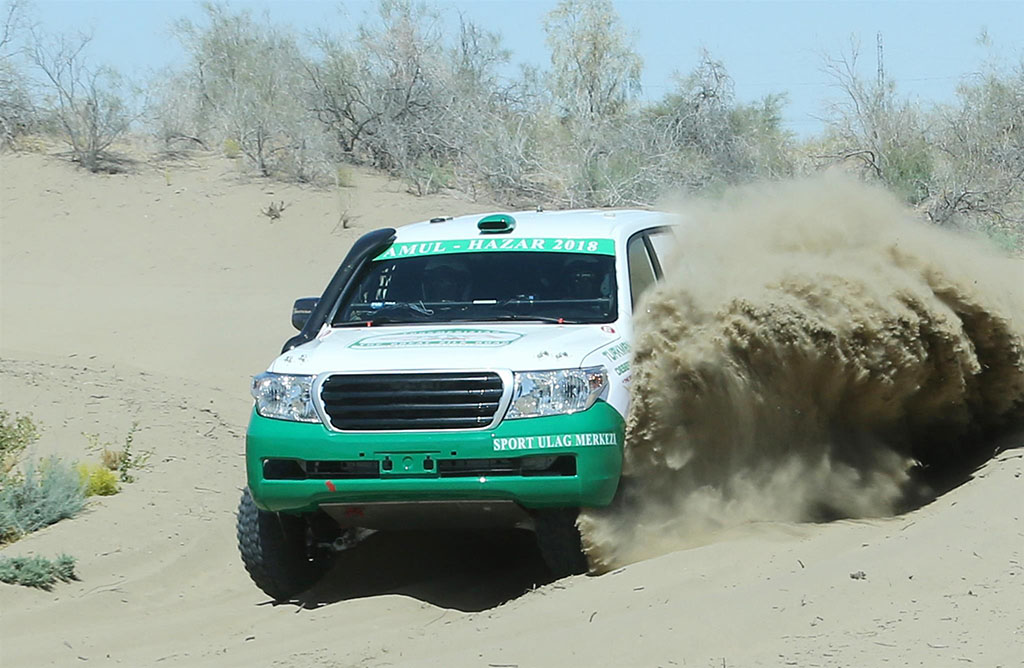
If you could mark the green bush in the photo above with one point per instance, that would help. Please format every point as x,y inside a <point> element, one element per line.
<point>47,492</point>
<point>97,480</point>
<point>37,571</point>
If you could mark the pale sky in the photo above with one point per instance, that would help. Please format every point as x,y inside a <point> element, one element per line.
<point>767,47</point>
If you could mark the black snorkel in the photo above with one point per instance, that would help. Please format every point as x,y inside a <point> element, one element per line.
<point>367,246</point>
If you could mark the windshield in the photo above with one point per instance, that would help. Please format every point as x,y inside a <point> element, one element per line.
<point>537,286</point>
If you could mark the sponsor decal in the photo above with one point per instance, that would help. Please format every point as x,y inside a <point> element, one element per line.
<point>608,329</point>
<point>439,338</point>
<point>616,352</point>
<point>553,245</point>
<point>622,368</point>
<point>510,443</point>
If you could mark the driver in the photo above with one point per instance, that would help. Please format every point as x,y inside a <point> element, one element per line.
<point>444,280</point>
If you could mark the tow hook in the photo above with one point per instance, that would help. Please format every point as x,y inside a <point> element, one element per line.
<point>348,539</point>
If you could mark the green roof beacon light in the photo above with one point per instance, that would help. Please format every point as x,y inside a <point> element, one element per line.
<point>499,223</point>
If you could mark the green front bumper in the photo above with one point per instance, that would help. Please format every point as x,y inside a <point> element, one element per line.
<point>594,437</point>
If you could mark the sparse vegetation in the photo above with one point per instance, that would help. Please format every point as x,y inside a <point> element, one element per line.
<point>38,492</point>
<point>37,572</point>
<point>45,492</point>
<point>123,460</point>
<point>16,434</point>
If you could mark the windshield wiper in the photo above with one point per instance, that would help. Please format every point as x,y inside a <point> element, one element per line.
<point>393,313</point>
<point>536,318</point>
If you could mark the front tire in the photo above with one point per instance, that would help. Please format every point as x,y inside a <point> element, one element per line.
<point>275,551</point>
<point>559,541</point>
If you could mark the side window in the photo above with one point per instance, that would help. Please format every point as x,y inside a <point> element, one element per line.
<point>641,271</point>
<point>663,247</point>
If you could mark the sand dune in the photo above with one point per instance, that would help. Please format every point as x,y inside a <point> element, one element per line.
<point>150,298</point>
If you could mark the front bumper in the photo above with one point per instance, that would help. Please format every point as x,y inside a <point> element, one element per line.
<point>415,471</point>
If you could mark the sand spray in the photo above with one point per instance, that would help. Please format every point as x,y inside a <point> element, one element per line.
<point>812,346</point>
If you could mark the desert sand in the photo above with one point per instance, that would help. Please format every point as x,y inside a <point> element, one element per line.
<point>151,297</point>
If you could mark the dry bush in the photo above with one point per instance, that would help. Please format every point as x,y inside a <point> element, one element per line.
<point>960,164</point>
<point>595,73</point>
<point>124,460</point>
<point>696,137</point>
<point>89,105</point>
<point>979,156</point>
<point>398,98</point>
<point>16,434</point>
<point>872,126</point>
<point>18,114</point>
<point>244,83</point>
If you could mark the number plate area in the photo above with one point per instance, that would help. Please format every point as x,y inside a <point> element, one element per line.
<point>408,465</point>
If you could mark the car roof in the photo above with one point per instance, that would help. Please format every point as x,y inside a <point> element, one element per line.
<point>589,223</point>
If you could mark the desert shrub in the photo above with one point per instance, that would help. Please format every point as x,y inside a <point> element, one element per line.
<point>979,180</point>
<point>16,434</point>
<point>384,96</point>
<point>405,97</point>
<point>873,127</point>
<point>123,460</point>
<point>594,70</point>
<point>245,88</point>
<point>696,137</point>
<point>90,106</point>
<point>37,571</point>
<point>97,480</point>
<point>231,148</point>
<point>18,114</point>
<point>171,114</point>
<point>46,492</point>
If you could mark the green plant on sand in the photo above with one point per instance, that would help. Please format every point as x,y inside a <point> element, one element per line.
<point>37,571</point>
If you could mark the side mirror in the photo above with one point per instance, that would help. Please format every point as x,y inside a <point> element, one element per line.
<point>301,311</point>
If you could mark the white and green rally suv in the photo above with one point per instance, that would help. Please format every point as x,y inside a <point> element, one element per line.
<point>468,372</point>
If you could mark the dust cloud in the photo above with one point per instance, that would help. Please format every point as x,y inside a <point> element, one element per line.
<point>812,349</point>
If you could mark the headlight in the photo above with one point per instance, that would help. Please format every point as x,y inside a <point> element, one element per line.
<point>284,397</point>
<point>539,393</point>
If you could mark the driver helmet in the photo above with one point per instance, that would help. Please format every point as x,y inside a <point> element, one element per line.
<point>444,280</point>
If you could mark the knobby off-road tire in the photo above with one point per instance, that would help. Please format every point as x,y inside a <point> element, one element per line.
<point>274,551</point>
<point>559,541</point>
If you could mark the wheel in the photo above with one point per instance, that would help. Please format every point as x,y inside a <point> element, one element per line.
<point>275,551</point>
<point>559,541</point>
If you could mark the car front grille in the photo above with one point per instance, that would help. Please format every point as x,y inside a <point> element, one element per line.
<point>391,401</point>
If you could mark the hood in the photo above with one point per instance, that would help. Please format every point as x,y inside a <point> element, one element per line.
<point>518,347</point>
